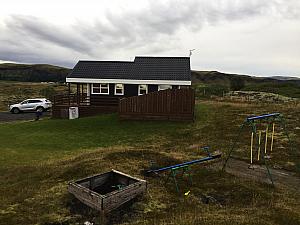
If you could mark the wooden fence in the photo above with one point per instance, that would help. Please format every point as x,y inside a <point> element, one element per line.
<point>171,104</point>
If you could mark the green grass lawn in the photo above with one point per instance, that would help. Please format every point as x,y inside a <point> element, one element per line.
<point>25,142</point>
<point>38,159</point>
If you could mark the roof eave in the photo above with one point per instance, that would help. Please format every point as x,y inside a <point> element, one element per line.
<point>127,81</point>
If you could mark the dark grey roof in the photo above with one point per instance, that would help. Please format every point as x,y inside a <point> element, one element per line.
<point>142,68</point>
<point>102,70</point>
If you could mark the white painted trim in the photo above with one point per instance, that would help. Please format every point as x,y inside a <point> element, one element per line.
<point>127,81</point>
<point>139,89</point>
<point>116,90</point>
<point>100,90</point>
<point>88,91</point>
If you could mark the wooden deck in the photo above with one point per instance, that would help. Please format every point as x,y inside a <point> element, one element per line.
<point>87,106</point>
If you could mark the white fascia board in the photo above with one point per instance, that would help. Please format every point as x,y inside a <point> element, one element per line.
<point>126,81</point>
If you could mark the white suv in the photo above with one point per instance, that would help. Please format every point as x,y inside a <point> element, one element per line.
<point>36,104</point>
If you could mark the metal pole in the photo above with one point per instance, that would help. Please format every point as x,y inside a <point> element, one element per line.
<point>251,149</point>
<point>259,139</point>
<point>266,141</point>
<point>233,146</point>
<point>186,163</point>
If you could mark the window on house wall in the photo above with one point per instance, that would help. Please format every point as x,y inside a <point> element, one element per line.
<point>143,89</point>
<point>119,89</point>
<point>100,89</point>
<point>164,87</point>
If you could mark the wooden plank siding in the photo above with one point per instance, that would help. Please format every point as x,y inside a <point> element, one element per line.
<point>171,104</point>
<point>86,190</point>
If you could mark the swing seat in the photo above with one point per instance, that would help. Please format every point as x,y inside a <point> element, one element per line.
<point>252,167</point>
<point>268,157</point>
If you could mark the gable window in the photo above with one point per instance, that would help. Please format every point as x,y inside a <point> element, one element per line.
<point>100,89</point>
<point>119,89</point>
<point>143,89</point>
<point>164,87</point>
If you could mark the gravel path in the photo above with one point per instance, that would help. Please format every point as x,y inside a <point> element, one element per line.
<point>9,117</point>
<point>259,173</point>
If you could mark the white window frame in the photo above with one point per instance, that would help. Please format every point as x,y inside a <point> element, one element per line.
<point>100,93</point>
<point>159,87</point>
<point>139,89</point>
<point>119,88</point>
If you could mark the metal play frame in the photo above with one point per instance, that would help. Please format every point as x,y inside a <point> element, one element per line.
<point>252,121</point>
<point>183,168</point>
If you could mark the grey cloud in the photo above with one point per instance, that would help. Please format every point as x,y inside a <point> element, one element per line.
<point>42,30</point>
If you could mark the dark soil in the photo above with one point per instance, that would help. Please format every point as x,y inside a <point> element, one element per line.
<point>259,173</point>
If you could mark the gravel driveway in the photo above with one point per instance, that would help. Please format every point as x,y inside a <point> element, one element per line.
<point>9,117</point>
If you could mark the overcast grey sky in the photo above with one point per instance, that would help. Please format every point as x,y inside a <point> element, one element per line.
<point>256,37</point>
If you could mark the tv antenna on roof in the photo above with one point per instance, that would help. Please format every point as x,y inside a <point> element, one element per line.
<point>191,50</point>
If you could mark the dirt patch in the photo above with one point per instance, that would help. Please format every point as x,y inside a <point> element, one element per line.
<point>259,173</point>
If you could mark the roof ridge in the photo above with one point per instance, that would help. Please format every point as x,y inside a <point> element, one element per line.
<point>159,57</point>
<point>100,61</point>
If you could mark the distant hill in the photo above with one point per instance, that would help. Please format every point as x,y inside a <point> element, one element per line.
<point>215,77</point>
<point>217,83</point>
<point>285,78</point>
<point>33,73</point>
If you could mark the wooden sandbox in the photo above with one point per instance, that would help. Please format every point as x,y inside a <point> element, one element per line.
<point>107,191</point>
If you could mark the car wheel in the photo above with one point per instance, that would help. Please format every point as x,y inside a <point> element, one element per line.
<point>40,109</point>
<point>15,110</point>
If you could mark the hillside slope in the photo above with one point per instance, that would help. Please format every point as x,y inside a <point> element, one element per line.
<point>207,83</point>
<point>215,77</point>
<point>33,73</point>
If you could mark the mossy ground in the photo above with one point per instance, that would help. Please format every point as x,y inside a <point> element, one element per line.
<point>38,159</point>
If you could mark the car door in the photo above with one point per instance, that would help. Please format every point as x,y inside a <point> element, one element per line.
<point>27,105</point>
<point>32,104</point>
<point>24,105</point>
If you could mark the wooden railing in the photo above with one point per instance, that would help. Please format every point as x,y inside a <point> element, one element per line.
<point>176,104</point>
<point>84,100</point>
<point>71,99</point>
